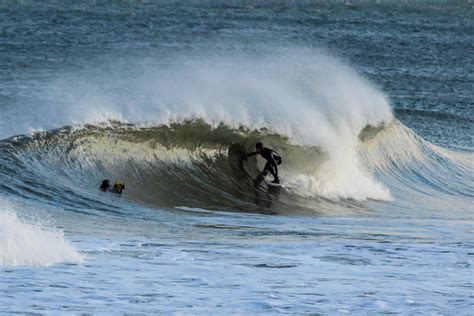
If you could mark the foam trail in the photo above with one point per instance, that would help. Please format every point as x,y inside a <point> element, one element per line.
<point>32,244</point>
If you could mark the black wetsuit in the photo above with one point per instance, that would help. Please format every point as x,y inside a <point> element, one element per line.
<point>271,165</point>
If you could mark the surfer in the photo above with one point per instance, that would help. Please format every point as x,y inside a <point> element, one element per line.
<point>118,187</point>
<point>105,185</point>
<point>273,160</point>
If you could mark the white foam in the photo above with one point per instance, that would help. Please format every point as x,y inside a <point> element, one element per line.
<point>331,185</point>
<point>25,243</point>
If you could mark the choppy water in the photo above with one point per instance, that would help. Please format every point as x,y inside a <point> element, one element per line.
<point>370,105</point>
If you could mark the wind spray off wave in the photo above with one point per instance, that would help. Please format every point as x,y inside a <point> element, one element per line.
<point>305,95</point>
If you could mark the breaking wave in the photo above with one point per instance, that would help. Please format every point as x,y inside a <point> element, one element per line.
<point>197,165</point>
<point>175,136</point>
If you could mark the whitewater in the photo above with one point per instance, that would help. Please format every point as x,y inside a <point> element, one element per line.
<point>375,212</point>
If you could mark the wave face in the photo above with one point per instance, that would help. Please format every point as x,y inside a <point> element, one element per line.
<point>197,165</point>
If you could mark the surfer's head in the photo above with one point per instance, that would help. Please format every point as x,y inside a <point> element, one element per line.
<point>258,146</point>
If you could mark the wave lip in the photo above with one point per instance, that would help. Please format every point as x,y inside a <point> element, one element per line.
<point>32,244</point>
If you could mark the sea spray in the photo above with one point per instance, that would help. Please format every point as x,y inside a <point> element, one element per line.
<point>31,243</point>
<point>303,94</point>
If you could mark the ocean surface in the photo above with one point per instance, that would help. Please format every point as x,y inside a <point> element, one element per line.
<point>370,104</point>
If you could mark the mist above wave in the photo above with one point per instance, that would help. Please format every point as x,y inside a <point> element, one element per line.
<point>303,94</point>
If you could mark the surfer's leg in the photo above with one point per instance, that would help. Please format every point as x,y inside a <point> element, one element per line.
<point>273,170</point>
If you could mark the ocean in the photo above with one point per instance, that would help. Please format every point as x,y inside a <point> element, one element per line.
<point>369,103</point>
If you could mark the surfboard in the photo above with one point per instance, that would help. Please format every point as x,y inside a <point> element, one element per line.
<point>261,180</point>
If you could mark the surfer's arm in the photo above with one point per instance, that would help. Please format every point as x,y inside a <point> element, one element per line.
<point>250,154</point>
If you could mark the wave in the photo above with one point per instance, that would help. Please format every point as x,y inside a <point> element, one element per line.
<point>175,134</point>
<point>191,163</point>
<point>194,164</point>
<point>414,166</point>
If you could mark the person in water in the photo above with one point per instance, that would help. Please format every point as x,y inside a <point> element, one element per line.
<point>273,160</point>
<point>105,185</point>
<point>118,186</point>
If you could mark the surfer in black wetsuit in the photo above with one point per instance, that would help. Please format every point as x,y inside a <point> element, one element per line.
<point>273,160</point>
<point>105,185</point>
